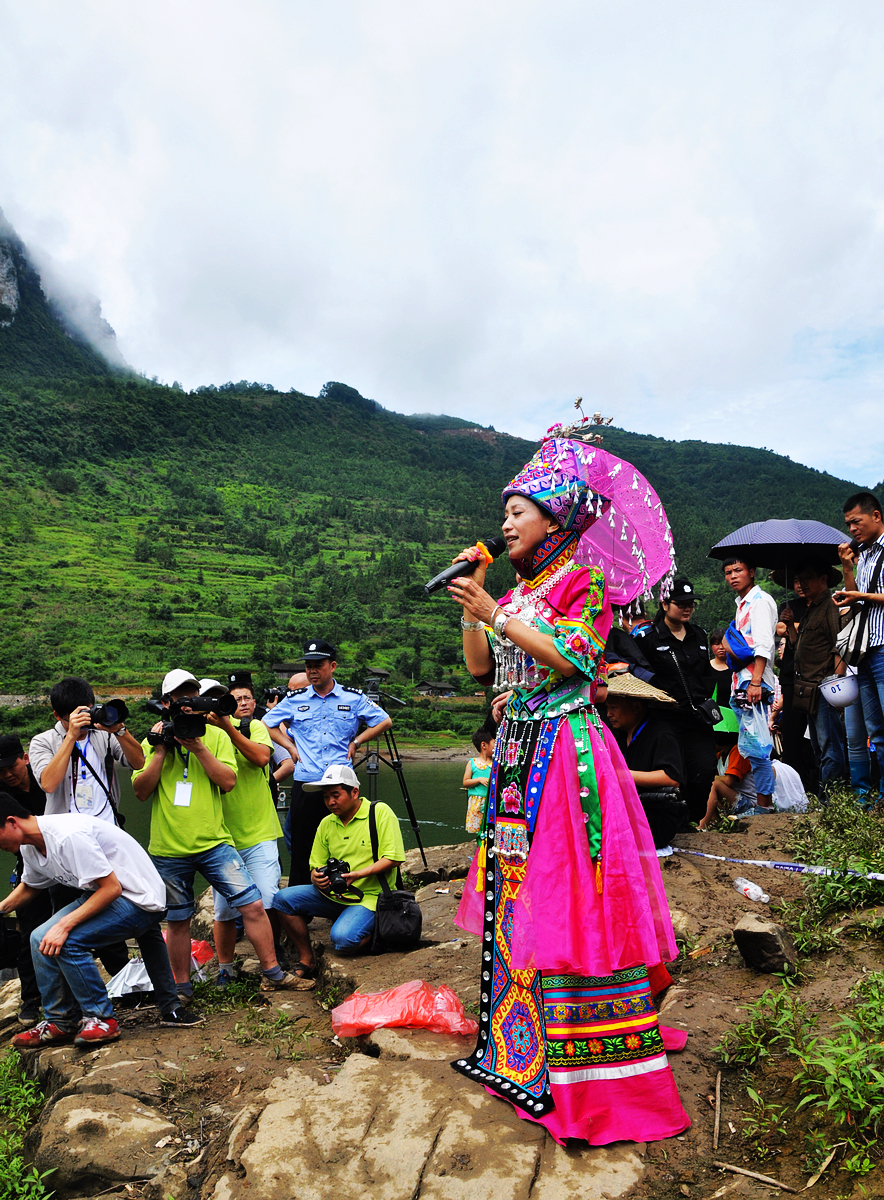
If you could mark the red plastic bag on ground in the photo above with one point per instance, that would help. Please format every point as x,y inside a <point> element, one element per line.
<point>201,951</point>
<point>415,1004</point>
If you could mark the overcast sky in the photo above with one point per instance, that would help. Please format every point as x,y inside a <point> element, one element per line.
<point>485,209</point>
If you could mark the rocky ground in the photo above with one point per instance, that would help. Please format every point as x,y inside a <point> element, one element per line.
<point>264,1101</point>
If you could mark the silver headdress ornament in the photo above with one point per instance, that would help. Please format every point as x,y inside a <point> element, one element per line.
<point>580,430</point>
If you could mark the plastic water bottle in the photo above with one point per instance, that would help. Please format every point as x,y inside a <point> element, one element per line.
<point>751,890</point>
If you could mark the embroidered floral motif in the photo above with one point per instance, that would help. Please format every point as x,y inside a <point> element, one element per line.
<point>577,643</point>
<point>595,1047</point>
<point>633,1041</point>
<point>570,1049</point>
<point>511,800</point>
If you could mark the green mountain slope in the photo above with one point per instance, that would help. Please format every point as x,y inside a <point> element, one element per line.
<point>143,526</point>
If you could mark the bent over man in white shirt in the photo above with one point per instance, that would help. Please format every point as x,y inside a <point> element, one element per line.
<point>123,897</point>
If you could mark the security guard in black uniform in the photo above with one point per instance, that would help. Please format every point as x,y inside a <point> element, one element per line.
<point>678,654</point>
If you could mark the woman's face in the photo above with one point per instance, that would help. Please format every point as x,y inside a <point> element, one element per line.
<point>524,527</point>
<point>720,651</point>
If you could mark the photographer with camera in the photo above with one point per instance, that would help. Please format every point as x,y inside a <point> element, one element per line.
<point>323,722</point>
<point>249,813</point>
<point>188,765</point>
<point>74,765</point>
<point>74,761</point>
<point>345,877</point>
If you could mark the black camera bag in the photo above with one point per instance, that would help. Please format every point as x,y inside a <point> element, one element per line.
<point>10,945</point>
<point>398,918</point>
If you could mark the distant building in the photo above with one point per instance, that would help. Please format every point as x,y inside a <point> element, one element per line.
<point>441,691</point>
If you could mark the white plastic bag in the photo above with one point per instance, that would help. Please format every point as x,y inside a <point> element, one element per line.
<point>755,738</point>
<point>789,794</point>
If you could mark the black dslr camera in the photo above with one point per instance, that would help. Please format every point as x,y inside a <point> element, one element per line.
<point>334,871</point>
<point>109,713</point>
<point>181,725</point>
<point>275,693</point>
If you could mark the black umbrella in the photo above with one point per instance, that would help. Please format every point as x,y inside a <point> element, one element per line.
<point>781,543</point>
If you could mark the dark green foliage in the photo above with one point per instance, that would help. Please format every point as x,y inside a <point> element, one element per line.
<point>144,526</point>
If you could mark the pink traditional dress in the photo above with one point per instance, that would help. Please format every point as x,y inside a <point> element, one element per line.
<point>566,893</point>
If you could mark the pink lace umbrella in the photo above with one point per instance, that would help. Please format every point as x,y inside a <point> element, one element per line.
<point>631,539</point>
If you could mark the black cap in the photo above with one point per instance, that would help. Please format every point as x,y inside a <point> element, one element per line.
<point>10,749</point>
<point>317,649</point>
<point>682,589</point>
<point>240,679</point>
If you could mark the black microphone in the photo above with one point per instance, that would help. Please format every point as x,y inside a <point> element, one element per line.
<point>494,546</point>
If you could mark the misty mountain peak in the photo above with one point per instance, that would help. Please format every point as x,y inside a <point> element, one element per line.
<point>49,326</point>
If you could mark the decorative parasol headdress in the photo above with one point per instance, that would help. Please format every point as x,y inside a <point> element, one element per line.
<point>608,512</point>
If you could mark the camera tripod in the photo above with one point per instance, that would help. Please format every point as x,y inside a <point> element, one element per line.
<point>374,757</point>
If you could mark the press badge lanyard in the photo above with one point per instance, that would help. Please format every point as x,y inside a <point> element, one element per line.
<point>183,789</point>
<point>82,790</point>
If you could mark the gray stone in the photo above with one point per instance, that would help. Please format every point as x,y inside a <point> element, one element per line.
<point>10,1003</point>
<point>101,1140</point>
<point>405,1126</point>
<point>443,862</point>
<point>765,945</point>
<point>202,924</point>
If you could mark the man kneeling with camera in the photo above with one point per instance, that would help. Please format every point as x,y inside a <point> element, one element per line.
<point>346,878</point>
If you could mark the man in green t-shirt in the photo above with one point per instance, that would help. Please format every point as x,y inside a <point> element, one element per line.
<point>184,781</point>
<point>249,813</point>
<point>344,834</point>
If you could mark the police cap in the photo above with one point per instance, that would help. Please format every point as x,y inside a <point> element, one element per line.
<point>317,649</point>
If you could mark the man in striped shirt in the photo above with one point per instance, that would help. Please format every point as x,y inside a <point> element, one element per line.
<point>864,582</point>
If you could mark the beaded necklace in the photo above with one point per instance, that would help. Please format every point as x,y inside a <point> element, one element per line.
<point>515,668</point>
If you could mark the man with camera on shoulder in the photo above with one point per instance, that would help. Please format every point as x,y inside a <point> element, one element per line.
<point>346,877</point>
<point>188,765</point>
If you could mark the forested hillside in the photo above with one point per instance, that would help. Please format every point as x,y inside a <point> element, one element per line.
<point>145,526</point>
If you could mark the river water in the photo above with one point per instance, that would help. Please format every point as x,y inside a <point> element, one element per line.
<point>434,787</point>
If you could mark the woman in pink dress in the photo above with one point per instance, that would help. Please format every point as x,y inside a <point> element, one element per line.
<point>565,889</point>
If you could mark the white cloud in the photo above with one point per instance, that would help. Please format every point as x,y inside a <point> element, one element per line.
<point>673,210</point>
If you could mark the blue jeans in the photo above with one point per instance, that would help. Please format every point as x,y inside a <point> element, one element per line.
<point>858,748</point>
<point>765,780</point>
<point>69,982</point>
<point>871,695</point>
<point>262,863</point>
<point>221,865</point>
<point>352,922</point>
<point>827,738</point>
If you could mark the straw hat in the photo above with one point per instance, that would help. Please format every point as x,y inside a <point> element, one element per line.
<point>624,684</point>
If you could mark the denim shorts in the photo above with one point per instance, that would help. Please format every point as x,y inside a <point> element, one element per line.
<point>262,863</point>
<point>222,866</point>
<point>352,922</point>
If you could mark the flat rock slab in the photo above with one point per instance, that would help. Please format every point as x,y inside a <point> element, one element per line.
<point>404,1127</point>
<point>100,1139</point>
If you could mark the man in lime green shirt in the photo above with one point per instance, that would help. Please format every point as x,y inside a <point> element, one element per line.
<point>184,781</point>
<point>343,834</point>
<point>249,813</point>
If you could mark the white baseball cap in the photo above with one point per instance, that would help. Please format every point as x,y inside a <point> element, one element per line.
<point>206,686</point>
<point>338,775</point>
<point>175,679</point>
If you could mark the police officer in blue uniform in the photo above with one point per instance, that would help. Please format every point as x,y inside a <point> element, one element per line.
<point>323,721</point>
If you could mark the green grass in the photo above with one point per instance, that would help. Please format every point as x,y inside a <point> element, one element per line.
<point>20,1102</point>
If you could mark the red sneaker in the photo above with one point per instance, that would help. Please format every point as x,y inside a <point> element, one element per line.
<point>94,1031</point>
<point>46,1033</point>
